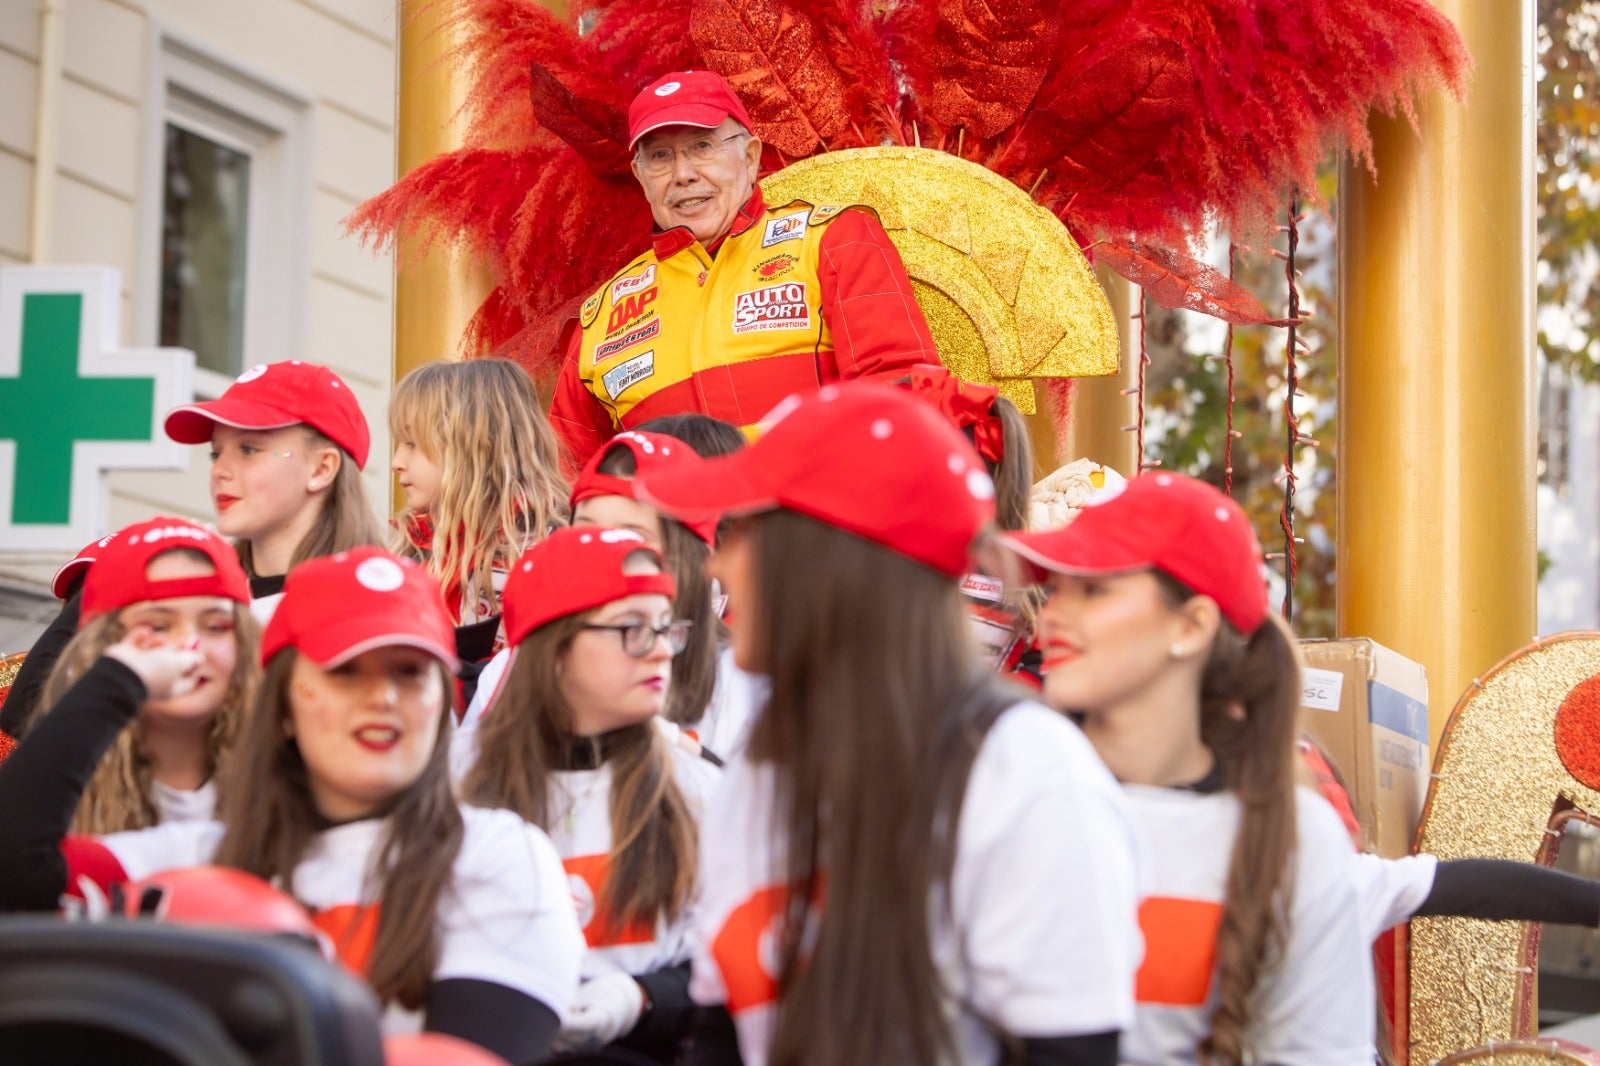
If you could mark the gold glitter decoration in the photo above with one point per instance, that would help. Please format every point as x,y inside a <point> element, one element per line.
<point>1007,292</point>
<point>1497,784</point>
<point>1524,1053</point>
<point>8,670</point>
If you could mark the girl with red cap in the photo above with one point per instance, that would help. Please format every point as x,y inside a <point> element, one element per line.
<point>479,467</point>
<point>459,918</point>
<point>165,593</point>
<point>1156,632</point>
<point>910,862</point>
<point>288,441</point>
<point>573,743</point>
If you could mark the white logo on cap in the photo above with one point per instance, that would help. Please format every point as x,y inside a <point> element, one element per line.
<point>619,536</point>
<point>668,89</point>
<point>380,575</point>
<point>881,429</point>
<point>1222,514</point>
<point>980,485</point>
<point>251,374</point>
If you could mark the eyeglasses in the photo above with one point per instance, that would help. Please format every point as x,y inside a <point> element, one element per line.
<point>638,638</point>
<point>658,161</point>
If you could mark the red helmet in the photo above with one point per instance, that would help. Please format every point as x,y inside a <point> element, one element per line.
<point>217,896</point>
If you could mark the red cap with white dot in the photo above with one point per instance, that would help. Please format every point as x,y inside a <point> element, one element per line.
<point>337,606</point>
<point>576,569</point>
<point>1183,527</point>
<point>865,458</point>
<point>275,395</point>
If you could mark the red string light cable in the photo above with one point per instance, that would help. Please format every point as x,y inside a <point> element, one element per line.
<point>1137,429</point>
<point>1227,361</point>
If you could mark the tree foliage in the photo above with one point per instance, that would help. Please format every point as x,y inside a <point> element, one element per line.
<point>1568,182</point>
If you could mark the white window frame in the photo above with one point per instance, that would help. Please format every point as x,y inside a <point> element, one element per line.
<point>191,86</point>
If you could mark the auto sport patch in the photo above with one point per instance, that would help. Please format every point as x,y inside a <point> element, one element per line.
<point>781,306</point>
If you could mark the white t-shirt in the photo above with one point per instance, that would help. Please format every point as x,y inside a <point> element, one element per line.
<point>1045,939</point>
<point>184,804</point>
<point>1391,890</point>
<point>580,828</point>
<point>738,695</point>
<point>1314,1007</point>
<point>506,917</point>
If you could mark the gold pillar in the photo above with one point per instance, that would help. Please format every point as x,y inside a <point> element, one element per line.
<point>1436,548</point>
<point>435,294</point>
<point>1100,410</point>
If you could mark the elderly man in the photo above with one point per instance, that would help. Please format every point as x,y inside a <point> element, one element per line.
<point>736,304</point>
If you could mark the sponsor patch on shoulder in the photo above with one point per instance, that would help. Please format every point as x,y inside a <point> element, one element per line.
<point>790,227</point>
<point>605,351</point>
<point>781,306</point>
<point>821,214</point>
<point>632,283</point>
<point>776,267</point>
<point>629,372</point>
<point>590,309</point>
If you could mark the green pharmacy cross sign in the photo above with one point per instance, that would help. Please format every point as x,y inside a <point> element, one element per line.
<point>73,405</point>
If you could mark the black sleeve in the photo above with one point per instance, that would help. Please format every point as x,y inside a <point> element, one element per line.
<point>513,1025</point>
<point>670,1015</point>
<point>715,1041</point>
<point>475,642</point>
<point>1089,1049</point>
<point>25,688</point>
<point>1501,890</point>
<point>43,780</point>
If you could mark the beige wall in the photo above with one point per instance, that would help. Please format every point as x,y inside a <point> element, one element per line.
<point>338,56</point>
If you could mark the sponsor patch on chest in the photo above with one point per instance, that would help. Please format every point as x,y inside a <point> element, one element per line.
<point>632,283</point>
<point>774,307</point>
<point>628,372</point>
<point>790,227</point>
<point>605,351</point>
<point>776,267</point>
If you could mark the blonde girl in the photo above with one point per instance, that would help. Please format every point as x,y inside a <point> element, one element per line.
<point>478,464</point>
<point>168,584</point>
<point>1157,634</point>
<point>459,919</point>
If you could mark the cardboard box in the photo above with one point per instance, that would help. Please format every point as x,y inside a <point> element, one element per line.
<point>1368,708</point>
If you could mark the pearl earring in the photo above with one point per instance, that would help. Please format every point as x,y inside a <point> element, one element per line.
<point>1177,651</point>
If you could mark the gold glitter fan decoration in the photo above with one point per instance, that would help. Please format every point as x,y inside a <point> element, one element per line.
<point>1007,292</point>
<point>8,670</point>
<point>1500,783</point>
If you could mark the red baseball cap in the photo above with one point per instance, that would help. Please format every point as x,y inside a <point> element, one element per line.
<point>684,98</point>
<point>218,896</point>
<point>651,451</point>
<point>61,583</point>
<point>575,569</point>
<point>275,395</point>
<point>866,458</point>
<point>337,606</point>
<point>119,575</point>
<point>1185,528</point>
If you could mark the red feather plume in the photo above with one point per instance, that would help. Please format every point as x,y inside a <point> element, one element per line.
<point>1137,122</point>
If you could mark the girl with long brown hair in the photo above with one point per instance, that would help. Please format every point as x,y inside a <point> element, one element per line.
<point>288,441</point>
<point>339,793</point>
<point>1157,635</point>
<point>910,862</point>
<point>172,584</point>
<point>480,470</point>
<point>572,743</point>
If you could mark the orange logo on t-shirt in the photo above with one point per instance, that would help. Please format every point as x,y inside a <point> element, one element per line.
<point>746,947</point>
<point>350,930</point>
<point>1180,950</point>
<point>586,876</point>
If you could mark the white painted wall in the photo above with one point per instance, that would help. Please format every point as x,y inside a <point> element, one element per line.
<point>1569,524</point>
<point>338,57</point>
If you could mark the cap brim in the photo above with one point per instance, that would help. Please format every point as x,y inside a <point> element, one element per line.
<point>61,583</point>
<point>703,490</point>
<point>701,116</point>
<point>336,646</point>
<point>1058,552</point>
<point>195,422</point>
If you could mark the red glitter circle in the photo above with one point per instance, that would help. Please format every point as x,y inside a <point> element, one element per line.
<point>1578,732</point>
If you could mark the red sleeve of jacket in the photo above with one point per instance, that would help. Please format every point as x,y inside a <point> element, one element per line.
<point>581,423</point>
<point>878,329</point>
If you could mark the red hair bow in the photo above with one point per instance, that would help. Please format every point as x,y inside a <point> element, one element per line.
<point>967,405</point>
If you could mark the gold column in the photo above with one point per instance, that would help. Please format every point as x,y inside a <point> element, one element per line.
<point>1099,408</point>
<point>1436,548</point>
<point>435,294</point>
